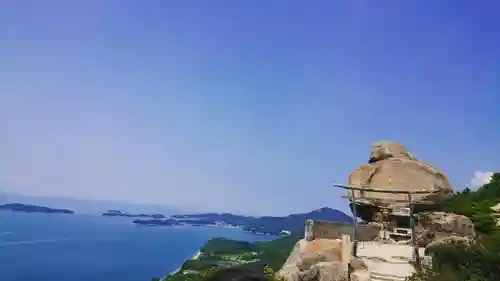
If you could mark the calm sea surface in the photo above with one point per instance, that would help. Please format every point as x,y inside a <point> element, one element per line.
<point>46,247</point>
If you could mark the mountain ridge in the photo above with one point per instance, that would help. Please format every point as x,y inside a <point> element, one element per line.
<point>291,224</point>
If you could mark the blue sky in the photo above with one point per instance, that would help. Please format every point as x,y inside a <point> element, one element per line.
<point>244,106</point>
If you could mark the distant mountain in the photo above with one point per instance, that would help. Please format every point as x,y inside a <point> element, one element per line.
<point>85,206</point>
<point>18,207</point>
<point>293,223</point>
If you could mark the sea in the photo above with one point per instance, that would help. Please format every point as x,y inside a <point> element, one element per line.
<point>48,247</point>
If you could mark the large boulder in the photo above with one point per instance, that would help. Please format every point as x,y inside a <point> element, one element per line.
<point>306,253</point>
<point>319,259</point>
<point>440,227</point>
<point>392,167</point>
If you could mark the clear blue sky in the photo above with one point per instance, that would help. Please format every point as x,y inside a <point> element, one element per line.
<point>243,106</point>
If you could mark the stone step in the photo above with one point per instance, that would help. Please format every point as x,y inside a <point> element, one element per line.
<point>386,279</point>
<point>381,276</point>
<point>384,260</point>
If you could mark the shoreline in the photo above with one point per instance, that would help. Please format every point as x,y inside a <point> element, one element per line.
<point>194,257</point>
<point>197,255</point>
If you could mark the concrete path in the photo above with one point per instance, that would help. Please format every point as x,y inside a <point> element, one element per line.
<point>387,262</point>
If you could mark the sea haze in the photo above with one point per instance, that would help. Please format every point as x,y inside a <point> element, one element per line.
<point>87,247</point>
<point>83,206</point>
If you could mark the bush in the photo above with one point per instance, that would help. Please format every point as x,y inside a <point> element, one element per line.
<point>480,259</point>
<point>199,264</point>
<point>237,274</point>
<point>274,253</point>
<point>221,246</point>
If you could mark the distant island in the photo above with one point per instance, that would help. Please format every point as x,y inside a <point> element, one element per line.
<point>158,222</point>
<point>19,207</point>
<point>116,213</point>
<point>286,225</point>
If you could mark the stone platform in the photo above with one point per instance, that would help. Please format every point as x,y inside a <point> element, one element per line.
<point>326,250</point>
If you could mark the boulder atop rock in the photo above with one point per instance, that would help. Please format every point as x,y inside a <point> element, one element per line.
<point>388,149</point>
<point>392,167</point>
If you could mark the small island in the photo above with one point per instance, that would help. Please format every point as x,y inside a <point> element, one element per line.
<point>19,207</point>
<point>157,222</point>
<point>116,213</point>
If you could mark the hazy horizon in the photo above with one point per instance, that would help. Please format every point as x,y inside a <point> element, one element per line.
<point>98,206</point>
<point>251,107</point>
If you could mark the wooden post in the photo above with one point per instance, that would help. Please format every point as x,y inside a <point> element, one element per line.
<point>416,253</point>
<point>355,232</point>
<point>346,252</point>
<point>309,230</point>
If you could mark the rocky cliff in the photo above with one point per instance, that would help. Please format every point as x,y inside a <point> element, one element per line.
<point>317,257</point>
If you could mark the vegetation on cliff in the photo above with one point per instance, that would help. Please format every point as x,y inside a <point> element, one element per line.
<point>221,253</point>
<point>477,205</point>
<point>480,259</point>
<point>237,273</point>
<point>241,274</point>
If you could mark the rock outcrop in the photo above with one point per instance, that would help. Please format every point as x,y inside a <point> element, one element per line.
<point>439,227</point>
<point>318,259</point>
<point>391,166</point>
<point>324,271</point>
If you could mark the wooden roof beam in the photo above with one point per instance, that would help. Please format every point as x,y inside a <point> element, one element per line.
<point>368,188</point>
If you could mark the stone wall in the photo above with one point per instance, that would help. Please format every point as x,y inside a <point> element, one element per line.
<point>326,230</point>
<point>334,230</point>
<point>367,232</point>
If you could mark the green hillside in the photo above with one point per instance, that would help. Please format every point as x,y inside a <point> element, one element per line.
<point>223,253</point>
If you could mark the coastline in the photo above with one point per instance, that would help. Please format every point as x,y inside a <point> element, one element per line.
<point>197,255</point>
<point>194,257</point>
